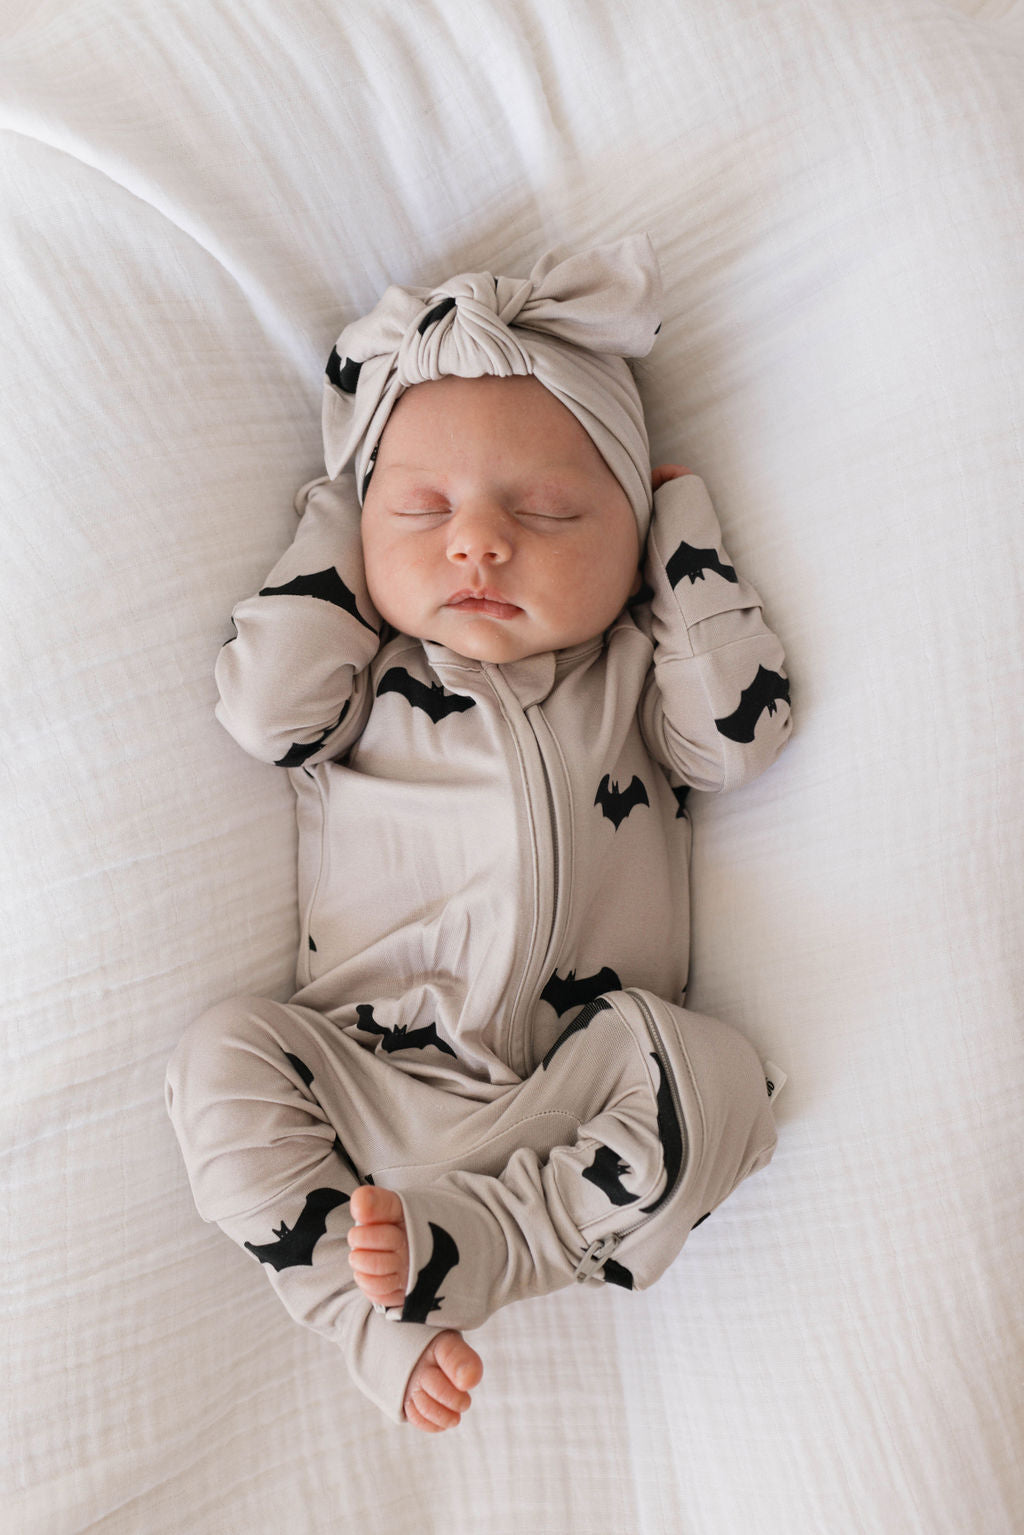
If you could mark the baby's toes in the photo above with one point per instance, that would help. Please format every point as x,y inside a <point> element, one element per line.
<point>433,1402</point>
<point>370,1206</point>
<point>460,1362</point>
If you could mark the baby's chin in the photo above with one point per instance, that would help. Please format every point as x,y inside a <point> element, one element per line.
<point>497,653</point>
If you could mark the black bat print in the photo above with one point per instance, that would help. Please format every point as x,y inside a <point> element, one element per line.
<point>327,586</point>
<point>437,313</point>
<point>423,1298</point>
<point>343,372</point>
<point>605,1172</point>
<point>401,1037</point>
<point>616,804</point>
<point>343,1154</point>
<point>302,1070</point>
<point>670,1133</point>
<point>581,1021</point>
<point>570,992</point>
<point>300,751</point>
<point>688,561</point>
<point>432,698</point>
<point>294,1247</point>
<point>616,1273</point>
<point>763,693</point>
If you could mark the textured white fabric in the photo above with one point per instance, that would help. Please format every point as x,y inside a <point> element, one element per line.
<point>197,196</point>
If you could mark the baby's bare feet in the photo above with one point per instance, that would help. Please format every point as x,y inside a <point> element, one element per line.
<point>378,1248</point>
<point>438,1391</point>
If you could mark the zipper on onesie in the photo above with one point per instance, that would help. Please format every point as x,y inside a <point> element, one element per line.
<point>534,742</point>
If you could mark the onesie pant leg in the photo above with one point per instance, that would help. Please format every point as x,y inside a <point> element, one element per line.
<point>641,1119</point>
<point>254,1091</point>
<point>672,1112</point>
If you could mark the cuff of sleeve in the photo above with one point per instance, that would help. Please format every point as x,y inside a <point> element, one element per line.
<point>381,1357</point>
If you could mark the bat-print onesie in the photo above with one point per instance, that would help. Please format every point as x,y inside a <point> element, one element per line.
<point>493,888</point>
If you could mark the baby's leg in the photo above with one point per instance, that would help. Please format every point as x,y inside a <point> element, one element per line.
<point>256,1092</point>
<point>671,1113</point>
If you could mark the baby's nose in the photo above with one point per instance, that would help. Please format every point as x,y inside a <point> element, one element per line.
<point>479,535</point>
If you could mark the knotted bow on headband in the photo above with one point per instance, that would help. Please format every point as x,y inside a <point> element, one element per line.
<point>570,325</point>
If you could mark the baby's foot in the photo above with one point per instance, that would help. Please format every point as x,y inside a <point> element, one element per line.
<point>438,1391</point>
<point>378,1247</point>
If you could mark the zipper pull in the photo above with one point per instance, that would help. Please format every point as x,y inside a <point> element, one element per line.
<point>595,1257</point>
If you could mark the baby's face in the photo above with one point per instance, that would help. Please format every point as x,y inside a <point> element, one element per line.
<point>491,523</point>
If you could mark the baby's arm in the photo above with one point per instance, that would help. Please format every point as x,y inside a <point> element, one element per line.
<point>716,709</point>
<point>293,684</point>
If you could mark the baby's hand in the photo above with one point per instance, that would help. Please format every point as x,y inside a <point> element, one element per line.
<point>666,472</point>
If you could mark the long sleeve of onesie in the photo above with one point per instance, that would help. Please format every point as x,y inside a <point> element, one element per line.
<point>292,682</point>
<point>716,709</point>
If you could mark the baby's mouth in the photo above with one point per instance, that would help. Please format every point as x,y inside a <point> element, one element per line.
<point>491,604</point>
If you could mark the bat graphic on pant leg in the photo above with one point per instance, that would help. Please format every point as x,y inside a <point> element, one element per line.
<point>605,1172</point>
<point>423,1298</point>
<point>306,1076</point>
<point>294,1246</point>
<point>580,1022</point>
<point>670,1133</point>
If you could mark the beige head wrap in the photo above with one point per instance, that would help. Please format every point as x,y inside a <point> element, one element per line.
<point>570,325</point>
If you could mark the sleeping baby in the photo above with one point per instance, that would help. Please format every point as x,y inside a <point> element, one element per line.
<point>494,660</point>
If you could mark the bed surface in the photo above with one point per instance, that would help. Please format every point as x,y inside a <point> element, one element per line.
<point>196,197</point>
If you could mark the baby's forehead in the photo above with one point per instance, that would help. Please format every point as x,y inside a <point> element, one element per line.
<point>515,419</point>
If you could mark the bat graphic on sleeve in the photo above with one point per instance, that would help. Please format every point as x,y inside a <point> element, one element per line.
<point>616,804</point>
<point>327,586</point>
<point>294,1246</point>
<point>765,692</point>
<point>431,697</point>
<point>401,1037</point>
<point>423,1298</point>
<point>688,561</point>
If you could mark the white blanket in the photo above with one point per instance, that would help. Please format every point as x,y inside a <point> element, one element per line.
<point>197,194</point>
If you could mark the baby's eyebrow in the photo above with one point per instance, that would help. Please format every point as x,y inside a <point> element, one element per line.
<point>552,495</point>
